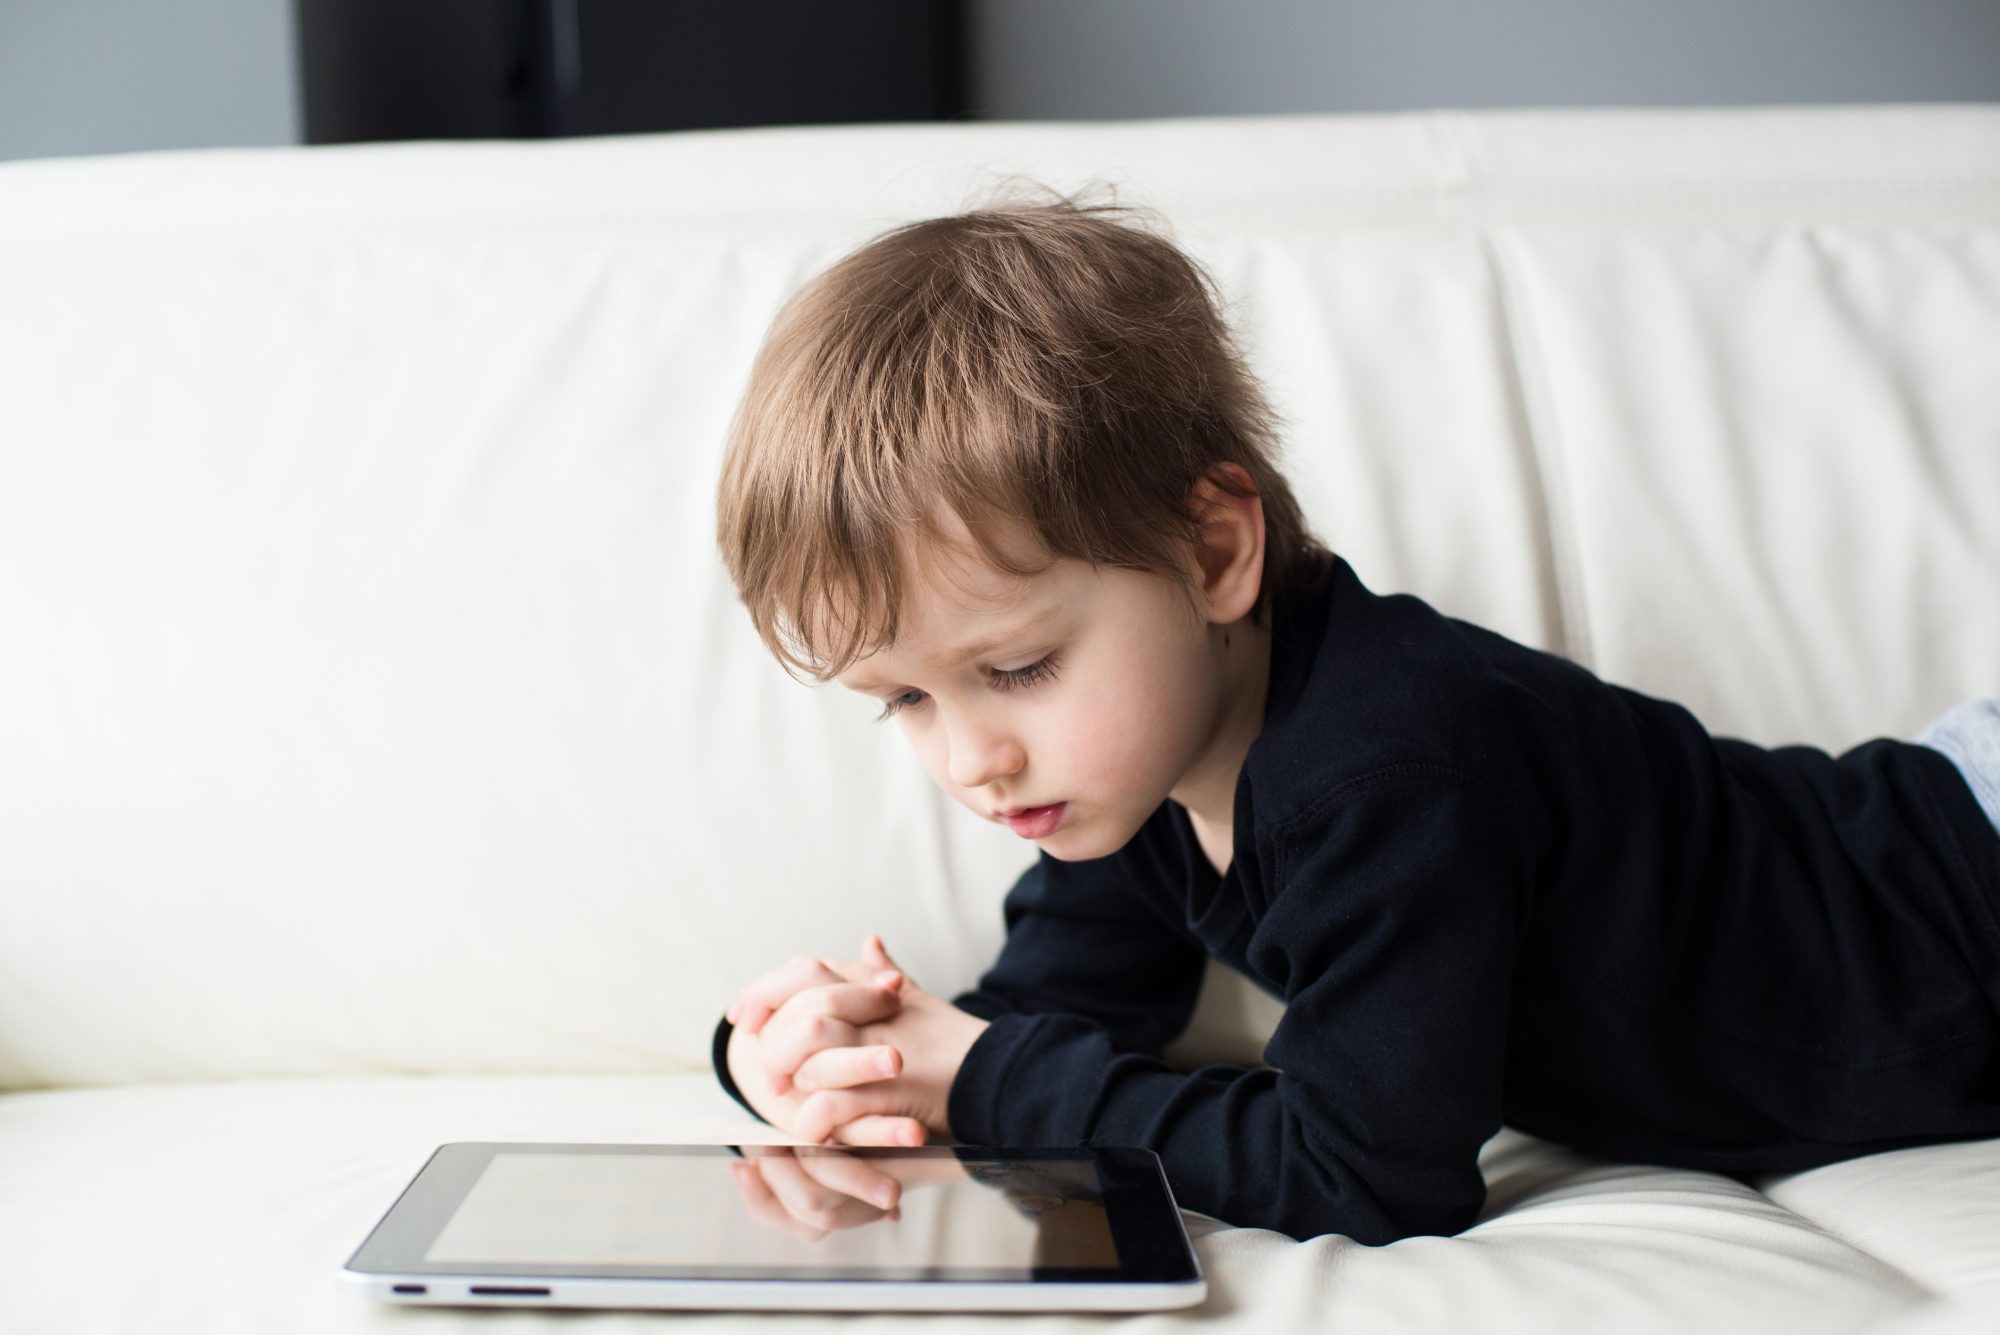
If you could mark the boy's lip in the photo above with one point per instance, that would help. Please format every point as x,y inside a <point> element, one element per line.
<point>1034,822</point>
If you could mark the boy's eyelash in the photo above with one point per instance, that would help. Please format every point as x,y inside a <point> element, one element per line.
<point>1039,671</point>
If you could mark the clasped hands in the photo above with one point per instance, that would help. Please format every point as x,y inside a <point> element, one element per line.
<point>847,1052</point>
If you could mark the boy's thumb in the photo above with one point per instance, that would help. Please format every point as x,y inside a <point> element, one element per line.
<point>877,954</point>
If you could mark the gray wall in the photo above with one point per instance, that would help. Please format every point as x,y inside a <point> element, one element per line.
<point>104,76</point>
<point>113,76</point>
<point>1108,58</point>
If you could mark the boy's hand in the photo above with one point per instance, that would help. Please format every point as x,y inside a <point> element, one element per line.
<point>808,1014</point>
<point>830,1094</point>
<point>808,1011</point>
<point>932,1036</point>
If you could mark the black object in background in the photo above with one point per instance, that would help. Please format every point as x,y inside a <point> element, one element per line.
<point>479,69</point>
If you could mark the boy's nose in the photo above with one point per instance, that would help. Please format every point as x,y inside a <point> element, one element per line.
<point>979,755</point>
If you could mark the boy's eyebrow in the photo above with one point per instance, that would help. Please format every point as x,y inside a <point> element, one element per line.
<point>981,648</point>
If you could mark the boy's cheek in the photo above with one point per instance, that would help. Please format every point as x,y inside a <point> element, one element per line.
<point>931,757</point>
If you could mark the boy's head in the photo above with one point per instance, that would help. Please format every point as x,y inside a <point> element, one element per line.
<point>973,404</point>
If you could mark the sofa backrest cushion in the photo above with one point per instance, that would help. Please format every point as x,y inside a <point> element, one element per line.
<point>371,694</point>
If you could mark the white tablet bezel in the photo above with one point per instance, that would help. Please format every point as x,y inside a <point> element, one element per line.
<point>1158,1269</point>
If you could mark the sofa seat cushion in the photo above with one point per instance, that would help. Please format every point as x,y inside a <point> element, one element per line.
<point>230,1206</point>
<point>1932,1212</point>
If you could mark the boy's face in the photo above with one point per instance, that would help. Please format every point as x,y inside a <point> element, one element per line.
<point>1074,700</point>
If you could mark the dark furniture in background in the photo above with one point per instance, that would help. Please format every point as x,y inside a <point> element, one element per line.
<point>477,69</point>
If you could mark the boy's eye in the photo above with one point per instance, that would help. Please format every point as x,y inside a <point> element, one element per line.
<point>896,704</point>
<point>1041,670</point>
<point>1004,680</point>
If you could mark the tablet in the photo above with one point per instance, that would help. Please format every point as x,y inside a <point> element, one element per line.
<point>782,1227</point>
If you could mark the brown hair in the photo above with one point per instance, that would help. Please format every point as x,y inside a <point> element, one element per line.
<point>1040,363</point>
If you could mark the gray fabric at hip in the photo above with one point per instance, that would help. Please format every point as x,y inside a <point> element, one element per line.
<point>1968,734</point>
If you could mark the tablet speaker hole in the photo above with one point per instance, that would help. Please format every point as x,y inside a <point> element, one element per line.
<point>510,1290</point>
<point>410,1288</point>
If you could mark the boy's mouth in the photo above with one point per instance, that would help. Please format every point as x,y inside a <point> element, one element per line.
<point>1036,822</point>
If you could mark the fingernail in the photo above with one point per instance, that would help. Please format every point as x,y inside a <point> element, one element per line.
<point>884,1197</point>
<point>885,1063</point>
<point>907,1136</point>
<point>887,978</point>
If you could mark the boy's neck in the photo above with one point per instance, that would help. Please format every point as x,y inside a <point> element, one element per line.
<point>1208,789</point>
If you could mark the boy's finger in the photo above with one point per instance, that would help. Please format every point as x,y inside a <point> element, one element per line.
<point>881,1129</point>
<point>786,1046</point>
<point>761,997</point>
<point>772,989</point>
<point>823,1111</point>
<point>852,1003</point>
<point>876,956</point>
<point>858,971</point>
<point>823,1017</point>
<point>843,1068</point>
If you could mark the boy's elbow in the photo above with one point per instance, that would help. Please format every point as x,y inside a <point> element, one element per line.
<point>1426,1219</point>
<point>1377,1226</point>
<point>1428,1202</point>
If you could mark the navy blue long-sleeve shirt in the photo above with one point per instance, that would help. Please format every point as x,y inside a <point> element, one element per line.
<point>1492,888</point>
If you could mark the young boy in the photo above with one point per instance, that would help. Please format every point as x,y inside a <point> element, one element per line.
<point>1005,472</point>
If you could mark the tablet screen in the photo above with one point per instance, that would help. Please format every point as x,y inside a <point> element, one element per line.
<point>772,1212</point>
<point>684,1212</point>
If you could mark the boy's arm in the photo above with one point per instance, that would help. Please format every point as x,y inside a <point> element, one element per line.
<point>1392,933</point>
<point>1083,940</point>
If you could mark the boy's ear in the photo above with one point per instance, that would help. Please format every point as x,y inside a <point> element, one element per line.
<point>1230,556</point>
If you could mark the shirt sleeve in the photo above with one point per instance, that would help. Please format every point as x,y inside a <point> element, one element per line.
<point>718,1052</point>
<point>1100,940</point>
<point>1390,929</point>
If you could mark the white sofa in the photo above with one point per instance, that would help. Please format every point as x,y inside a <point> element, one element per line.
<point>384,760</point>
